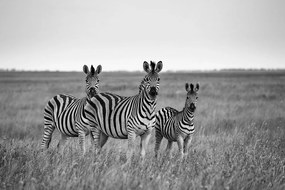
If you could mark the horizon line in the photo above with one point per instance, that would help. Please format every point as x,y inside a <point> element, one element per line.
<point>135,71</point>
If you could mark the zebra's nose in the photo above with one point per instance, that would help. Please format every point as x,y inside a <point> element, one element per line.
<point>192,106</point>
<point>92,91</point>
<point>153,91</point>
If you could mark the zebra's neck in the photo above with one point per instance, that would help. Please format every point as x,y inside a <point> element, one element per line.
<point>85,99</point>
<point>147,104</point>
<point>188,116</point>
<point>186,124</point>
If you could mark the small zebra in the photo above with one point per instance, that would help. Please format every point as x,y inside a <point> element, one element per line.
<point>66,112</point>
<point>175,125</point>
<point>115,116</point>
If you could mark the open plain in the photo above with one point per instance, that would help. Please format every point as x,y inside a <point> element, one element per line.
<point>239,141</point>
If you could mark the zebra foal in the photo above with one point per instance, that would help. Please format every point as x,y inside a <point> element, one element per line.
<point>111,115</point>
<point>66,112</point>
<point>177,126</point>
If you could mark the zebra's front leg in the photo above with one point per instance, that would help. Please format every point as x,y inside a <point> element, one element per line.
<point>95,136</point>
<point>187,141</point>
<point>131,144</point>
<point>168,148</point>
<point>81,135</point>
<point>180,143</point>
<point>144,142</point>
<point>158,139</point>
<point>61,142</point>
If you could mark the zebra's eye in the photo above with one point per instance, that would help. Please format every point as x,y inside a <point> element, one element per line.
<point>196,98</point>
<point>98,80</point>
<point>158,79</point>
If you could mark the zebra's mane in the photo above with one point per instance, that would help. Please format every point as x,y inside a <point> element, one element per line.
<point>141,86</point>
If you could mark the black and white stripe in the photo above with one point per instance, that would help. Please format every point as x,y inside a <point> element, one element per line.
<point>66,112</point>
<point>111,115</point>
<point>177,126</point>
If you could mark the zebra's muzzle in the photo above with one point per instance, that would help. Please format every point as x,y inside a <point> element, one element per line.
<point>192,107</point>
<point>92,92</point>
<point>153,92</point>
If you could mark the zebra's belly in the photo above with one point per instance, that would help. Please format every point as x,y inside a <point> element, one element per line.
<point>118,129</point>
<point>70,132</point>
<point>138,133</point>
<point>67,129</point>
<point>119,137</point>
<point>122,134</point>
<point>116,135</point>
<point>115,132</point>
<point>170,137</point>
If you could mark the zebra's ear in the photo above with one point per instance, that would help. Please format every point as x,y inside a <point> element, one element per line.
<point>197,87</point>
<point>187,87</point>
<point>92,70</point>
<point>192,87</point>
<point>146,67</point>
<point>99,69</point>
<point>85,69</point>
<point>158,67</point>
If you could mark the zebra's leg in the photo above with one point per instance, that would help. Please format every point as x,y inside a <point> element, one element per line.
<point>81,135</point>
<point>131,143</point>
<point>62,141</point>
<point>180,143</point>
<point>168,147</point>
<point>95,136</point>
<point>48,130</point>
<point>144,142</point>
<point>103,139</point>
<point>158,139</point>
<point>187,141</point>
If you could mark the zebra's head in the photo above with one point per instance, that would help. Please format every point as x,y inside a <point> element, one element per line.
<point>192,96</point>
<point>150,83</point>
<point>92,80</point>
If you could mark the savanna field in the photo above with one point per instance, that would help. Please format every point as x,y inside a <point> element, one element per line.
<point>239,141</point>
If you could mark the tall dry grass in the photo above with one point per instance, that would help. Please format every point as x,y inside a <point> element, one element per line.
<point>239,141</point>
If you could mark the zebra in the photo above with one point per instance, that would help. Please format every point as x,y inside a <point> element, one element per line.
<point>66,112</point>
<point>175,125</point>
<point>111,115</point>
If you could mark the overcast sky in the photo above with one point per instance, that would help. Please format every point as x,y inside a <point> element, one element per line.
<point>120,35</point>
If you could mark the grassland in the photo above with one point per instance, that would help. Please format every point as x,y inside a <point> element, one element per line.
<point>239,141</point>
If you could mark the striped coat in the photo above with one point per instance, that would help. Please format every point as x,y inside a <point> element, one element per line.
<point>66,112</point>
<point>177,126</point>
<point>115,116</point>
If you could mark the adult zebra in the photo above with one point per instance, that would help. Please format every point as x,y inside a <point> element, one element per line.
<point>111,115</point>
<point>66,112</point>
<point>175,125</point>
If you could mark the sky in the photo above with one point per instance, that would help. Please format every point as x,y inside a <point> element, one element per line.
<point>64,35</point>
